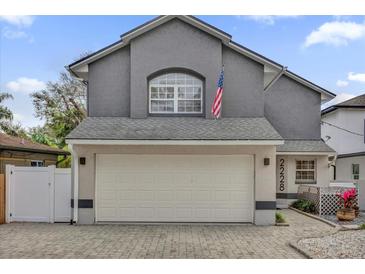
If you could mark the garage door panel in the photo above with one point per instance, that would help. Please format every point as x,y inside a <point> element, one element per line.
<point>176,188</point>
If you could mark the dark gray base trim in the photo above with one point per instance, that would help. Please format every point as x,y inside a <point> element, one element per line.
<point>305,183</point>
<point>262,205</point>
<point>83,203</point>
<point>286,195</point>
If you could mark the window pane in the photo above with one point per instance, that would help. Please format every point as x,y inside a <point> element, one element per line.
<point>181,106</point>
<point>189,106</point>
<point>154,106</point>
<point>170,92</point>
<point>298,175</point>
<point>170,106</point>
<point>197,106</point>
<point>197,92</point>
<point>189,93</point>
<point>355,169</point>
<point>154,92</point>
<point>181,92</point>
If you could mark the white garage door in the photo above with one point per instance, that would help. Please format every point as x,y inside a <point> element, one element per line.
<point>174,188</point>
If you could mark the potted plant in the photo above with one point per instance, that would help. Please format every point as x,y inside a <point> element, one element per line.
<point>346,199</point>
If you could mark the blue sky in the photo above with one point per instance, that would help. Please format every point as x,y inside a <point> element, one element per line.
<point>328,50</point>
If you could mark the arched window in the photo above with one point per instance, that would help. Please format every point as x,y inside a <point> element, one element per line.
<point>176,93</point>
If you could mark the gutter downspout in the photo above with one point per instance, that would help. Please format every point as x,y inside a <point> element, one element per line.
<point>273,81</point>
<point>75,182</point>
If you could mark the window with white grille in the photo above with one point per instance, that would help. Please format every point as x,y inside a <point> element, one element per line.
<point>305,172</point>
<point>176,93</point>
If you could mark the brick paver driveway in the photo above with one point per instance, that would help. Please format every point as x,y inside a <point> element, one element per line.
<point>25,240</point>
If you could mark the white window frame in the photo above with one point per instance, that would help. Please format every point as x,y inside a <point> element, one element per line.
<point>306,181</point>
<point>354,174</point>
<point>176,96</point>
<point>38,162</point>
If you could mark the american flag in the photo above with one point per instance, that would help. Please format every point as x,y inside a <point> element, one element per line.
<point>217,104</point>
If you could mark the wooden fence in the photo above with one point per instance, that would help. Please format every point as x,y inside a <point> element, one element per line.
<point>2,199</point>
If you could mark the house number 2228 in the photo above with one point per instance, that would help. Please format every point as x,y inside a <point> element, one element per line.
<point>281,175</point>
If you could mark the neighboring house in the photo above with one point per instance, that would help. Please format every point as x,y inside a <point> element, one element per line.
<point>21,152</point>
<point>150,150</point>
<point>343,130</point>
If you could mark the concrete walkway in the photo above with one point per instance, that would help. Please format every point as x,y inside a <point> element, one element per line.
<point>35,240</point>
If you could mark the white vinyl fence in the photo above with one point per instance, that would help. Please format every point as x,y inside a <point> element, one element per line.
<point>38,194</point>
<point>325,199</point>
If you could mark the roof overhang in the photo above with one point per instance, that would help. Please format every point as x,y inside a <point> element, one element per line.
<point>34,150</point>
<point>326,95</point>
<point>350,155</point>
<point>311,153</point>
<point>176,142</point>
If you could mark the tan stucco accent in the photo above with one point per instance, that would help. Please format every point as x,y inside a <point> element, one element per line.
<point>322,171</point>
<point>265,182</point>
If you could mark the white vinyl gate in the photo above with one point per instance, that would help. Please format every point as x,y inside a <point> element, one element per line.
<point>38,194</point>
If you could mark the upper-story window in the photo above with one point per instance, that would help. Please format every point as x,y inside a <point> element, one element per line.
<point>176,93</point>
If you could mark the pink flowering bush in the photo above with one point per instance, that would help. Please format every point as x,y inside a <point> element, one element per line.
<point>347,198</point>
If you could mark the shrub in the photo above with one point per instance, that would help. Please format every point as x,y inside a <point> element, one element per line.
<point>305,205</point>
<point>362,226</point>
<point>279,217</point>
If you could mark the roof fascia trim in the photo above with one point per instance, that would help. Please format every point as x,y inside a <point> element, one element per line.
<point>187,19</point>
<point>173,142</point>
<point>309,84</point>
<point>312,153</point>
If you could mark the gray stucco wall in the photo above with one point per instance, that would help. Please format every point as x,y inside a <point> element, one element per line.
<point>109,85</point>
<point>173,45</point>
<point>243,86</point>
<point>293,109</point>
<point>118,83</point>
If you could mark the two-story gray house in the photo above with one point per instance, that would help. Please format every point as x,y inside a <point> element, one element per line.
<point>151,151</point>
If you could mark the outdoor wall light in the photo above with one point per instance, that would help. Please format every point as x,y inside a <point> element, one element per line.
<point>82,160</point>
<point>266,161</point>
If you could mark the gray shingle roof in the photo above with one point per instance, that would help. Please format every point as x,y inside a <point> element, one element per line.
<point>174,128</point>
<point>358,101</point>
<point>304,146</point>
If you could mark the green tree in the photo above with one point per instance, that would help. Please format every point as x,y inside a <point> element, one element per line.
<point>5,113</point>
<point>6,119</point>
<point>62,105</point>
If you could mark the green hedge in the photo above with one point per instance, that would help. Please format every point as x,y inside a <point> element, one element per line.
<point>305,205</point>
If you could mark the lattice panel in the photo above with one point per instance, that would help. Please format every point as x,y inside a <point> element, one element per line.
<point>309,193</point>
<point>329,204</point>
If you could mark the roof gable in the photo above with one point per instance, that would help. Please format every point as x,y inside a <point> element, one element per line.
<point>80,69</point>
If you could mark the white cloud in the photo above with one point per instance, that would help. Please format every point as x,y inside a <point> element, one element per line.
<point>338,99</point>
<point>360,77</point>
<point>27,120</point>
<point>18,20</point>
<point>267,19</point>
<point>14,34</point>
<point>25,85</point>
<point>341,83</point>
<point>335,33</point>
